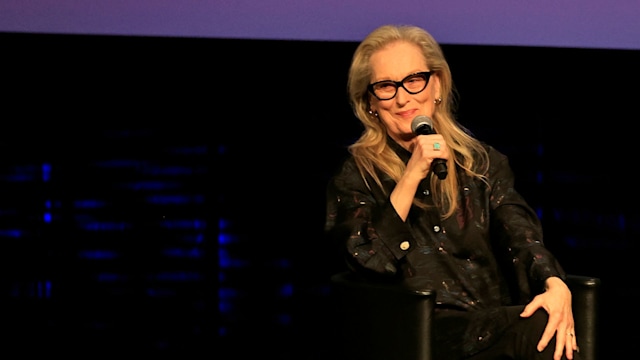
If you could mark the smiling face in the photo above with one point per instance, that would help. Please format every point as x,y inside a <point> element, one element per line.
<point>395,62</point>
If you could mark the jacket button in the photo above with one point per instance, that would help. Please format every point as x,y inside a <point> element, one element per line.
<point>404,245</point>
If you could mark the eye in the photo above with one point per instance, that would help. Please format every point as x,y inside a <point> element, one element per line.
<point>415,78</point>
<point>385,86</point>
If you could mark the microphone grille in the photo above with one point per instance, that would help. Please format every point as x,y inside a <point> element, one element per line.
<point>419,121</point>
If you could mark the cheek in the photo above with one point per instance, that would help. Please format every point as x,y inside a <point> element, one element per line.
<point>392,126</point>
<point>425,98</point>
<point>384,106</point>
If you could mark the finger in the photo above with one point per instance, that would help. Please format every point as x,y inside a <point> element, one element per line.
<point>547,335</point>
<point>530,308</point>
<point>549,332</point>
<point>571,338</point>
<point>572,344</point>
<point>562,344</point>
<point>552,329</point>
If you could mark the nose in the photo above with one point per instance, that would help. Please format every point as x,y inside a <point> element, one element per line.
<point>401,94</point>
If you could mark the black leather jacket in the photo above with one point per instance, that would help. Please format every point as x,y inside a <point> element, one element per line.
<point>489,256</point>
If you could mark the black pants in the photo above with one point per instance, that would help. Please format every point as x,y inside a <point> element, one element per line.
<point>519,341</point>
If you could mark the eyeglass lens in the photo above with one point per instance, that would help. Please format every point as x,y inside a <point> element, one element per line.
<point>414,83</point>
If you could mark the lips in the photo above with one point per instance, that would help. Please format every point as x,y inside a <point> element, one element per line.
<point>408,113</point>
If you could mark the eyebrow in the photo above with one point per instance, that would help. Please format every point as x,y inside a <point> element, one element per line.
<point>409,74</point>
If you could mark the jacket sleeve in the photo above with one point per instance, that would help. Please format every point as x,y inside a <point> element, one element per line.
<point>518,229</point>
<point>364,226</point>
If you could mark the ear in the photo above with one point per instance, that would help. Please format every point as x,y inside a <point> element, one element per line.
<point>372,108</point>
<point>436,86</point>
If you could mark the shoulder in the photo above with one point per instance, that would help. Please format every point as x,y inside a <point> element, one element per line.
<point>343,169</point>
<point>346,163</point>
<point>494,154</point>
<point>499,165</point>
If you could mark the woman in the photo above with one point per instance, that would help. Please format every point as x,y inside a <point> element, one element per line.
<point>468,234</point>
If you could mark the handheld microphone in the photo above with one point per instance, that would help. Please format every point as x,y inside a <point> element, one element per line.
<point>423,125</point>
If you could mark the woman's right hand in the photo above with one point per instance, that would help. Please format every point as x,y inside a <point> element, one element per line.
<point>423,153</point>
<point>426,148</point>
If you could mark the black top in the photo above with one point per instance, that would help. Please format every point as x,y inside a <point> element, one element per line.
<point>488,256</point>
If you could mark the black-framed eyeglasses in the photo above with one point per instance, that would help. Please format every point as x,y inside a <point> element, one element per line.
<point>387,89</point>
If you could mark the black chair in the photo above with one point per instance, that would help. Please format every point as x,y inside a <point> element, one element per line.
<point>392,323</point>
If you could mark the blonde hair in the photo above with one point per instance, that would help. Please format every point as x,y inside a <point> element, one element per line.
<point>371,151</point>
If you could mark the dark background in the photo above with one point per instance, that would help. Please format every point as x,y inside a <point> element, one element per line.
<point>166,195</point>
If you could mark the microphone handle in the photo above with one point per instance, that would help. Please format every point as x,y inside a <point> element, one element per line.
<point>439,166</point>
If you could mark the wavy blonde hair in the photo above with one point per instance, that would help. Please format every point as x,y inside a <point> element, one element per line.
<point>371,150</point>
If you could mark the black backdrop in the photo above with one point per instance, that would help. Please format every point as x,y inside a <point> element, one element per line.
<point>167,194</point>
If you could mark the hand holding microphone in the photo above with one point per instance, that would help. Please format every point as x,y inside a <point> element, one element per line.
<point>423,125</point>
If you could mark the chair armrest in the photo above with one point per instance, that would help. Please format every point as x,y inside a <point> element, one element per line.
<point>585,292</point>
<point>383,321</point>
